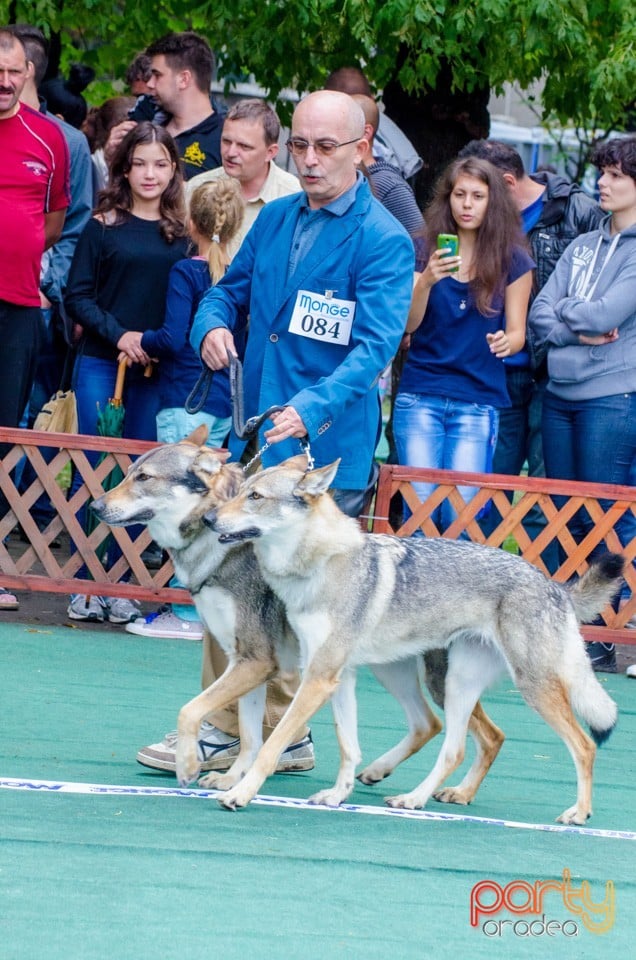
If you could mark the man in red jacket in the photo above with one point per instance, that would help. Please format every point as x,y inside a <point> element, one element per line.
<point>34,195</point>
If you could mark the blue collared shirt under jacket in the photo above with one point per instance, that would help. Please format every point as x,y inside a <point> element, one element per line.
<point>319,340</point>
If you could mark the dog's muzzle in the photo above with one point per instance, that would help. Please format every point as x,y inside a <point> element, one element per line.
<point>250,533</point>
<point>98,506</point>
<point>105,513</point>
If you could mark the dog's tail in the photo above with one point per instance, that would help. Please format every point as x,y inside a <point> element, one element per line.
<point>592,703</point>
<point>598,585</point>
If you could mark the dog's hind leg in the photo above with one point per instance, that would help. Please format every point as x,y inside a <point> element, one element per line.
<point>553,704</point>
<point>239,679</point>
<point>345,715</point>
<point>402,680</point>
<point>314,691</point>
<point>488,739</point>
<point>471,668</point>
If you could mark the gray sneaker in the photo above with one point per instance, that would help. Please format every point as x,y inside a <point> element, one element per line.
<point>166,624</point>
<point>218,751</point>
<point>122,610</point>
<point>83,607</point>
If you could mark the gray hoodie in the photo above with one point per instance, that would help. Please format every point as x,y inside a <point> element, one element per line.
<point>591,291</point>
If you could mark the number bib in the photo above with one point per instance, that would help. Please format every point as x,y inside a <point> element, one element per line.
<point>322,317</point>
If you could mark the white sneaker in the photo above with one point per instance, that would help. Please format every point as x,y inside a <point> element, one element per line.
<point>123,610</point>
<point>631,671</point>
<point>83,607</point>
<point>167,624</point>
<point>217,751</point>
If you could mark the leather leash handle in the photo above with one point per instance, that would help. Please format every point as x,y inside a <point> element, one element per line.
<point>199,393</point>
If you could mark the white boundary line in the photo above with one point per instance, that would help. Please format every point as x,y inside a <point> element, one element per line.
<point>103,789</point>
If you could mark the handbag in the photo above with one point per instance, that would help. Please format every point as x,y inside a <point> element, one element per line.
<point>59,414</point>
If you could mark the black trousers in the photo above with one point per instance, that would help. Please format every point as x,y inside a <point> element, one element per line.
<point>21,335</point>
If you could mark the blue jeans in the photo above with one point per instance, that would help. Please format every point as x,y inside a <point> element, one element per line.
<point>94,383</point>
<point>445,434</point>
<point>593,441</point>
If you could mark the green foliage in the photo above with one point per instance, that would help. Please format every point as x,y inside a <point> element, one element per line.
<point>584,50</point>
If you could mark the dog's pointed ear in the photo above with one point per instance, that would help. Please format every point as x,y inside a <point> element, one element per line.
<point>209,461</point>
<point>316,482</point>
<point>198,436</point>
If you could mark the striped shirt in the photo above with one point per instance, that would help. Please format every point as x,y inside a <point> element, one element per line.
<point>394,193</point>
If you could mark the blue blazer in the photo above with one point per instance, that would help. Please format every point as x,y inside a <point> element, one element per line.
<point>363,256</point>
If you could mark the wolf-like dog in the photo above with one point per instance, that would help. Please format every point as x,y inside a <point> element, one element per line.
<point>354,598</point>
<point>170,489</point>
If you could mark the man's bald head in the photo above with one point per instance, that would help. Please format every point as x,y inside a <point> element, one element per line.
<point>333,107</point>
<point>327,144</point>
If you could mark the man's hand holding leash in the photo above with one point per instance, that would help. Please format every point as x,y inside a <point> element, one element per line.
<point>214,353</point>
<point>287,423</point>
<point>215,346</point>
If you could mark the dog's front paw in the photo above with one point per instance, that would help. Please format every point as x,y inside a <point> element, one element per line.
<point>232,801</point>
<point>575,816</point>
<point>452,795</point>
<point>219,781</point>
<point>329,798</point>
<point>405,801</point>
<point>239,796</point>
<point>188,766</point>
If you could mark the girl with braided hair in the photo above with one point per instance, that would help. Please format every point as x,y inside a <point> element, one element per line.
<point>215,217</point>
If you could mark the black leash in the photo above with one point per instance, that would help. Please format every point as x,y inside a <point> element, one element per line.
<point>244,430</point>
<point>202,386</point>
<point>199,394</point>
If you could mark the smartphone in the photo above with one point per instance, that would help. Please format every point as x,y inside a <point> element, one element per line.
<point>449,240</point>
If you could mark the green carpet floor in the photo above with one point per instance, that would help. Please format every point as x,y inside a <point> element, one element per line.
<point>117,877</point>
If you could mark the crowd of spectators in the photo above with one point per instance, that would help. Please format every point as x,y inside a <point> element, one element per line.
<point>149,228</point>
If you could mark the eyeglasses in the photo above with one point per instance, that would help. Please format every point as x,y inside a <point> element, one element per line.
<point>324,148</point>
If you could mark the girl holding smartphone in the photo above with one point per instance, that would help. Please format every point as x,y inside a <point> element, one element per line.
<point>468,312</point>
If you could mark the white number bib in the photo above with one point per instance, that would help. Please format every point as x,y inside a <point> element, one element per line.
<point>322,317</point>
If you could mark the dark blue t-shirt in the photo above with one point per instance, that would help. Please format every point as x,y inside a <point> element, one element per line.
<point>449,354</point>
